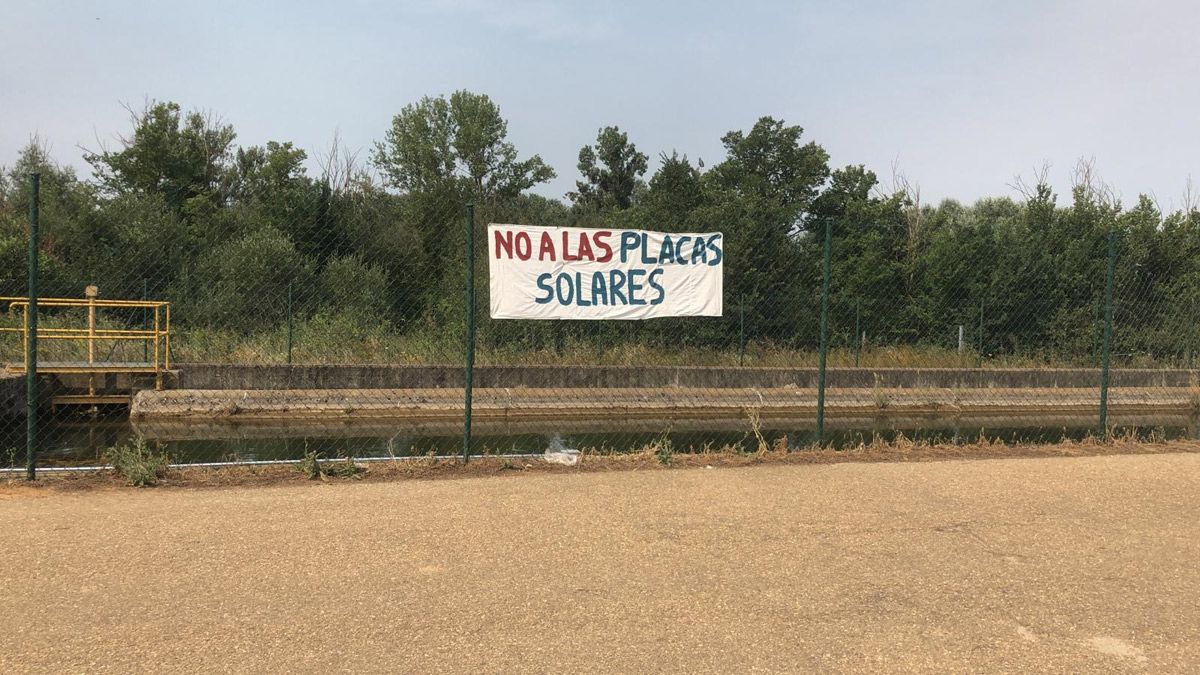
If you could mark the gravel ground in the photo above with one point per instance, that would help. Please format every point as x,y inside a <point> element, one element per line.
<point>1067,564</point>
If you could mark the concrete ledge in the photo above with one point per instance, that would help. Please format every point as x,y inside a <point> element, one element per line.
<point>283,377</point>
<point>108,382</point>
<point>968,424</point>
<point>617,405</point>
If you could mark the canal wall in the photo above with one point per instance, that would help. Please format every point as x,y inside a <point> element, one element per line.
<point>12,395</point>
<point>623,405</point>
<point>284,377</point>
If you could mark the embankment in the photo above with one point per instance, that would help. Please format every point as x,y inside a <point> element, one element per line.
<point>291,400</point>
<point>527,409</point>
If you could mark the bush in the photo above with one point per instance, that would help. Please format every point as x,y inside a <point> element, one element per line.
<point>243,283</point>
<point>354,287</point>
<point>141,465</point>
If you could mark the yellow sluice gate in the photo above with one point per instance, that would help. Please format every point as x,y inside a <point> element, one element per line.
<point>82,343</point>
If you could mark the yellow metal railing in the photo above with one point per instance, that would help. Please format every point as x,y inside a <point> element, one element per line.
<point>157,355</point>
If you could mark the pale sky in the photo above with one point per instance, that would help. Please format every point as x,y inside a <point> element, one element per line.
<point>962,96</point>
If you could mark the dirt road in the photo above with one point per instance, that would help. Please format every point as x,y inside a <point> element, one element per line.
<point>1049,564</point>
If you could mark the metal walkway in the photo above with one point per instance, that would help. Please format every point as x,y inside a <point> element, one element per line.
<point>90,337</point>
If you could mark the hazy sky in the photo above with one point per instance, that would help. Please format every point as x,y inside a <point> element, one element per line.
<point>962,96</point>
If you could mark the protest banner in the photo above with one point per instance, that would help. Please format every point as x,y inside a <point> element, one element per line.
<point>583,273</point>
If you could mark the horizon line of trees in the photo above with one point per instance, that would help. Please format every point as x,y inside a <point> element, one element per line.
<point>229,232</point>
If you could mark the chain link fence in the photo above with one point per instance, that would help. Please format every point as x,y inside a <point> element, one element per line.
<point>243,310</point>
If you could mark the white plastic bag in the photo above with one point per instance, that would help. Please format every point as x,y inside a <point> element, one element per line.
<point>559,453</point>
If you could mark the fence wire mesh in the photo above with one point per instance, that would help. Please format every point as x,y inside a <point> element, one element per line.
<point>244,307</point>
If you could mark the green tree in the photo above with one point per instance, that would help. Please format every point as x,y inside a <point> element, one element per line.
<point>675,191</point>
<point>441,145</point>
<point>868,248</point>
<point>954,270</point>
<point>269,187</point>
<point>383,234</point>
<point>183,157</point>
<point>69,230</point>
<point>264,173</point>
<point>612,169</point>
<point>770,163</point>
<point>758,196</point>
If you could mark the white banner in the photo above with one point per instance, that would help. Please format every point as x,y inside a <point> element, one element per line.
<point>582,273</point>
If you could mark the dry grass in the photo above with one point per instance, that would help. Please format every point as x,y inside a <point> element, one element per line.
<point>12,347</point>
<point>323,340</point>
<point>341,340</point>
<point>313,467</point>
<point>649,458</point>
<point>382,346</point>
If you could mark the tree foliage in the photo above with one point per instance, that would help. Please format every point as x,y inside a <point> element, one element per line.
<point>182,157</point>
<point>456,146</point>
<point>228,233</point>
<point>612,170</point>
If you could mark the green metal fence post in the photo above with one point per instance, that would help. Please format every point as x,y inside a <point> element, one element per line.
<point>824,334</point>
<point>742,329</point>
<point>857,331</point>
<point>1108,328</point>
<point>291,325</point>
<point>31,329</point>
<point>1192,342</point>
<point>470,343</point>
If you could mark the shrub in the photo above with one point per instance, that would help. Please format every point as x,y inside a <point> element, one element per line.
<point>243,283</point>
<point>141,465</point>
<point>354,287</point>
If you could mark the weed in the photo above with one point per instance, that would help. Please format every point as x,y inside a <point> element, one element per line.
<point>310,465</point>
<point>665,454</point>
<point>313,469</point>
<point>662,449</point>
<point>140,464</point>
<point>882,398</point>
<point>506,464</point>
<point>391,447</point>
<point>756,429</point>
<point>1127,435</point>
<point>343,469</point>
